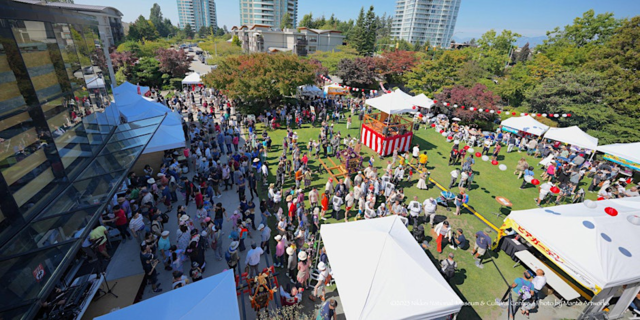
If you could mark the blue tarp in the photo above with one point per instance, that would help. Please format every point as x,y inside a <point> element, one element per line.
<point>130,87</point>
<point>211,298</point>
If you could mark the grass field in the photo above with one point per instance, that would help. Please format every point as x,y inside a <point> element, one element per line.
<point>473,284</point>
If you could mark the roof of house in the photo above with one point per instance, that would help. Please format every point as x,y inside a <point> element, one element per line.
<point>73,6</point>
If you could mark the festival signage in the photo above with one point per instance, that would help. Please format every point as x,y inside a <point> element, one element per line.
<point>623,162</point>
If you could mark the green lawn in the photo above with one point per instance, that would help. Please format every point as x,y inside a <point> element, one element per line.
<point>471,283</point>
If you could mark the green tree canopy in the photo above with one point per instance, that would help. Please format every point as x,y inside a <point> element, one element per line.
<point>142,30</point>
<point>286,22</point>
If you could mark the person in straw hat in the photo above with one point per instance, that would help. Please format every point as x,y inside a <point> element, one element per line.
<point>232,256</point>
<point>291,263</point>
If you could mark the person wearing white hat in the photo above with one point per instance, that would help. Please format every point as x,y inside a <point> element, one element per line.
<point>280,247</point>
<point>291,264</point>
<point>232,256</point>
<point>324,277</point>
<point>303,269</point>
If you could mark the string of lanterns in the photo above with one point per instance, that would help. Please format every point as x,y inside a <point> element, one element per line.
<point>523,114</point>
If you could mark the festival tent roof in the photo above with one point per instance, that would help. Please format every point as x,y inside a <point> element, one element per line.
<point>334,89</point>
<point>421,101</point>
<point>212,297</point>
<point>392,268</point>
<point>628,151</point>
<point>572,135</point>
<point>95,83</point>
<point>310,90</point>
<point>602,250</point>
<point>168,136</point>
<point>193,78</point>
<point>136,107</point>
<point>392,103</point>
<point>526,124</point>
<point>130,87</point>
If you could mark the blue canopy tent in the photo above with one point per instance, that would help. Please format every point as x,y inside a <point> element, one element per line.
<point>130,87</point>
<point>209,298</point>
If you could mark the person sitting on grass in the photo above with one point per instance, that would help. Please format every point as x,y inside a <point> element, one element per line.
<point>529,173</point>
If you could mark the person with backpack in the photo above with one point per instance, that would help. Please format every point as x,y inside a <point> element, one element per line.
<point>523,288</point>
<point>449,267</point>
<point>461,198</point>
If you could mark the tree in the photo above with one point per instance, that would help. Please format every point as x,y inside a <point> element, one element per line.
<point>358,72</point>
<point>364,32</point>
<point>174,62</point>
<point>236,41</point>
<point>393,64</point>
<point>478,97</point>
<point>524,53</point>
<point>470,73</point>
<point>255,79</point>
<point>142,29</point>
<point>286,22</point>
<point>130,46</point>
<point>581,94</point>
<point>501,43</point>
<point>188,31</point>
<point>432,76</point>
<point>203,32</point>
<point>307,21</point>
<point>123,61</point>
<point>586,29</point>
<point>155,16</point>
<point>331,59</point>
<point>147,72</point>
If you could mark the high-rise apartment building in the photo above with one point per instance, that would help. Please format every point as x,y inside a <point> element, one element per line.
<point>425,20</point>
<point>268,12</point>
<point>197,13</point>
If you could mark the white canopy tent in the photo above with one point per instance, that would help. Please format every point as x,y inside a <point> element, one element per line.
<point>168,136</point>
<point>212,297</point>
<point>526,124</point>
<point>309,90</point>
<point>598,250</point>
<point>392,103</point>
<point>573,136</point>
<point>193,78</point>
<point>421,100</point>
<point>95,83</point>
<point>627,151</point>
<point>391,268</point>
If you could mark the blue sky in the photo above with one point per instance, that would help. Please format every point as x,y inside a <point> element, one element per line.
<point>529,18</point>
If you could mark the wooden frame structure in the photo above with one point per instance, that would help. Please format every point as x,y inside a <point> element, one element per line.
<point>341,170</point>
<point>393,123</point>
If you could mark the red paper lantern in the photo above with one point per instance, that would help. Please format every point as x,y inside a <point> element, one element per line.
<point>478,154</point>
<point>420,116</point>
<point>600,198</point>
<point>499,112</point>
<point>539,115</point>
<point>555,189</point>
<point>494,162</point>
<point>414,107</point>
<point>441,131</point>
<point>461,107</point>
<point>447,104</point>
<point>535,182</point>
<point>450,137</point>
<point>611,211</point>
<point>568,114</point>
<point>433,125</point>
<point>526,114</point>
<point>466,147</point>
<point>435,101</point>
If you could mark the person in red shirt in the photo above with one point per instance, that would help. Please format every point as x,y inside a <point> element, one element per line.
<point>292,209</point>
<point>305,159</point>
<point>199,198</point>
<point>121,222</point>
<point>324,201</point>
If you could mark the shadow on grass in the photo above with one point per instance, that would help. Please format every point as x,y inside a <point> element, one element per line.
<point>424,144</point>
<point>467,312</point>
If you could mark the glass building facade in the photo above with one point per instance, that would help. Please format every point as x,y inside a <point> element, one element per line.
<point>63,152</point>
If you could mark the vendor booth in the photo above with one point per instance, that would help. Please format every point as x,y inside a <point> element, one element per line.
<point>334,89</point>
<point>624,154</point>
<point>525,124</point>
<point>387,130</point>
<point>381,272</point>
<point>596,244</point>
<point>192,79</point>
<point>573,136</point>
<point>210,298</point>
